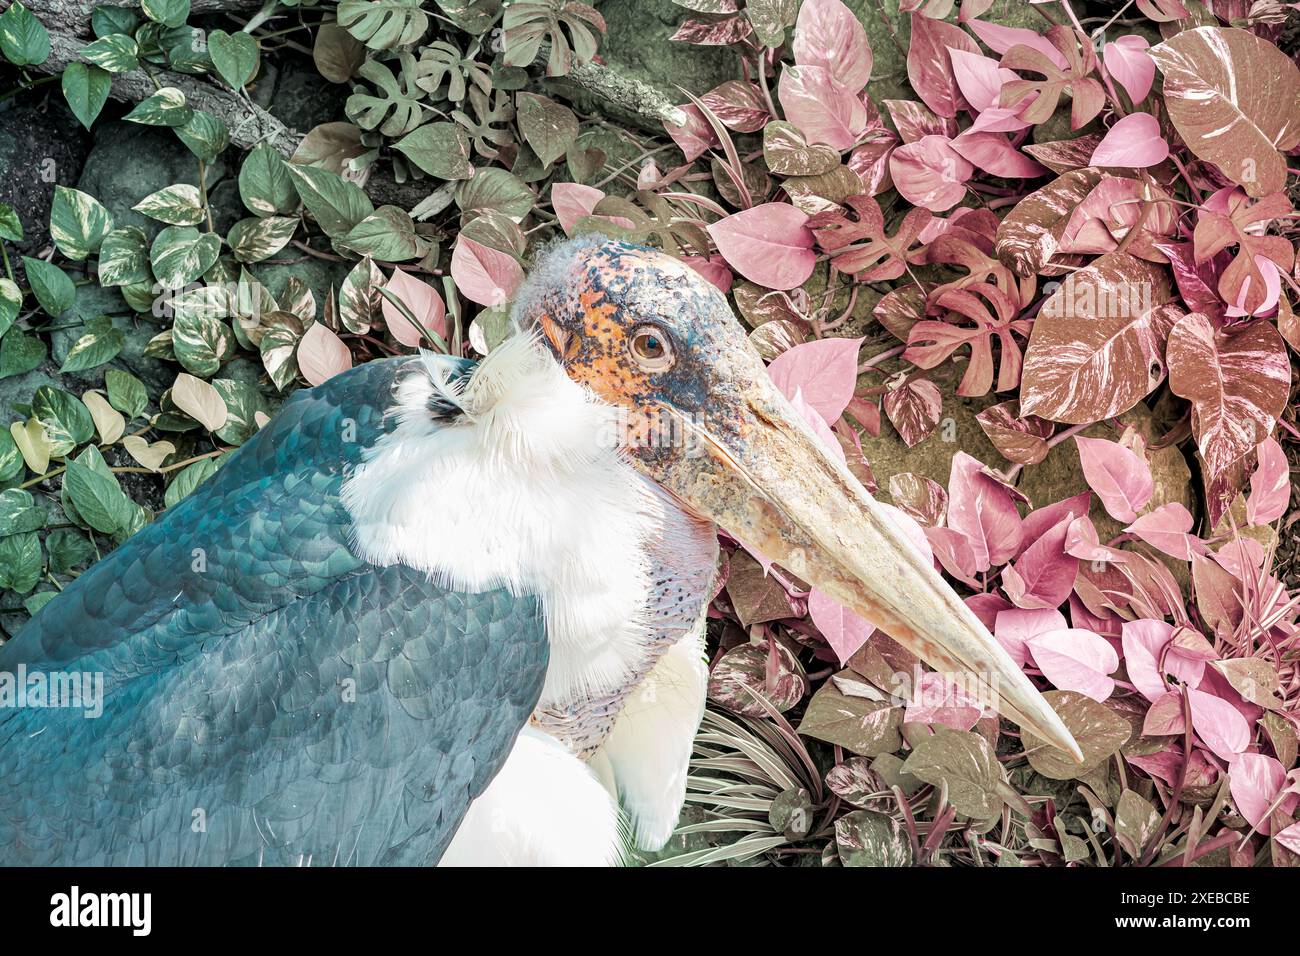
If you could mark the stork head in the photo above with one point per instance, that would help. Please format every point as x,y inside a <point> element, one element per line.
<point>650,336</point>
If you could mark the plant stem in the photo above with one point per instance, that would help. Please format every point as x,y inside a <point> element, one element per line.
<point>1153,845</point>
<point>881,357</point>
<point>908,821</point>
<point>203,194</point>
<point>1223,839</point>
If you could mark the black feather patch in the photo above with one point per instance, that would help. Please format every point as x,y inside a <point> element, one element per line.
<point>449,381</point>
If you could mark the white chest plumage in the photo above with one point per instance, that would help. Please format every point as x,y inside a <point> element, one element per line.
<point>527,489</point>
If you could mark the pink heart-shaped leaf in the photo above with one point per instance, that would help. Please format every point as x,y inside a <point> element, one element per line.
<point>1121,479</point>
<point>939,699</point>
<point>1219,725</point>
<point>979,78</point>
<point>1128,61</point>
<point>844,631</point>
<point>1144,641</point>
<point>714,268</point>
<point>1014,626</point>
<point>929,68</point>
<point>981,509</point>
<point>824,372</point>
<point>1040,520</point>
<point>930,173</point>
<point>1270,484</point>
<point>422,300</point>
<point>827,34</point>
<point>1081,541</point>
<point>1077,660</point>
<point>1167,529</point>
<point>1166,716</point>
<point>1044,574</point>
<point>483,274</point>
<point>822,109</point>
<point>322,354</point>
<point>696,136</point>
<point>1134,141</point>
<point>954,551</point>
<point>1000,39</point>
<point>993,153</point>
<point>1256,781</point>
<point>1264,303</point>
<point>769,244</point>
<point>573,201</point>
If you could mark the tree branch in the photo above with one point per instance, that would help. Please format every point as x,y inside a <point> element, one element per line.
<point>68,23</point>
<point>247,122</point>
<point>73,16</point>
<point>646,103</point>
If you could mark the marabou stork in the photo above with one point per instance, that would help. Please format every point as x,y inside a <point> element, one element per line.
<point>450,611</point>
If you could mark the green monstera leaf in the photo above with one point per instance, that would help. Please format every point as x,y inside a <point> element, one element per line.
<point>383,24</point>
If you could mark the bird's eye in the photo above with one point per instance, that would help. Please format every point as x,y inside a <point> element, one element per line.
<point>651,348</point>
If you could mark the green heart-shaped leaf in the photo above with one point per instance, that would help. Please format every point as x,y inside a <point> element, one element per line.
<point>234,55</point>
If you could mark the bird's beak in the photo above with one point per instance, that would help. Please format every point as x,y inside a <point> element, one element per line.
<point>759,471</point>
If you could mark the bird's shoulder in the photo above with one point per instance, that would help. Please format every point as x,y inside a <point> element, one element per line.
<point>268,528</point>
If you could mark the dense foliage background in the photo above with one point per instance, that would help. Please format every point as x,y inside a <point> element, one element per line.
<point>1029,267</point>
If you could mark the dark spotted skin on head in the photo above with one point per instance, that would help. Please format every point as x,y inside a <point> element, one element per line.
<point>589,316</point>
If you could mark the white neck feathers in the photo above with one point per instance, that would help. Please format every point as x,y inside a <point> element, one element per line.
<point>525,489</point>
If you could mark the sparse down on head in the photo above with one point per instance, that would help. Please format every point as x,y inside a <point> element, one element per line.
<point>700,416</point>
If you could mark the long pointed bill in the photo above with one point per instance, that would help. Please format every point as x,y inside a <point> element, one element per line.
<point>763,475</point>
